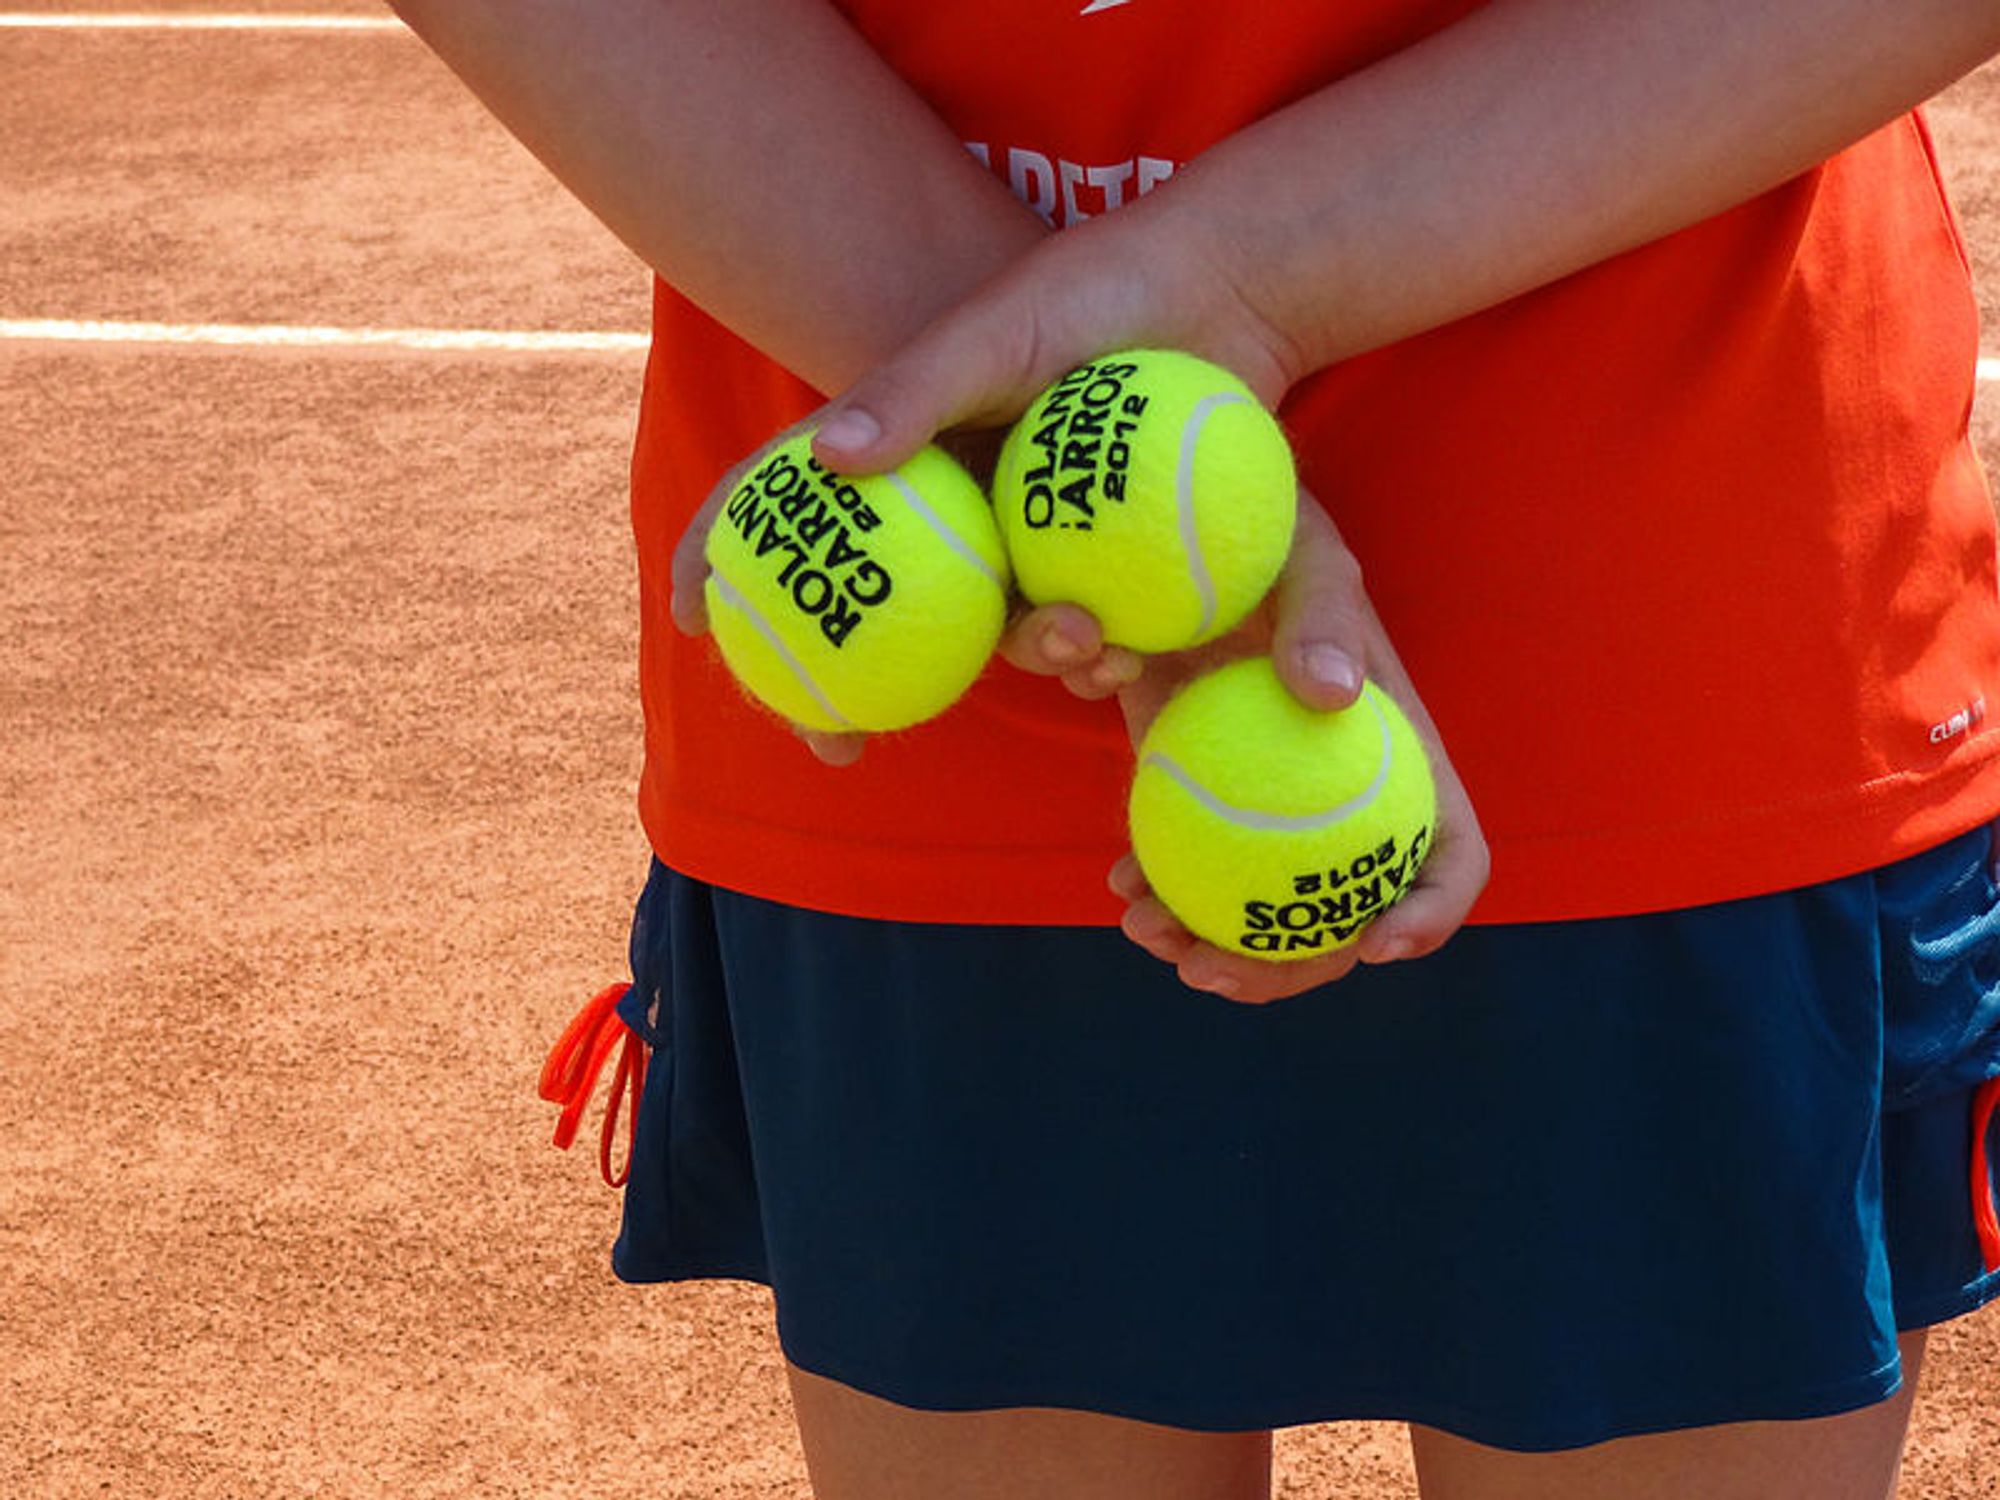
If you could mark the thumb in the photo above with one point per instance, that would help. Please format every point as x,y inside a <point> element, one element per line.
<point>1319,639</point>
<point>965,370</point>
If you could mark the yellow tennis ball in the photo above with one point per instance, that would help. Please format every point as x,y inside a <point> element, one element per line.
<point>1274,830</point>
<point>1153,489</point>
<point>847,603</point>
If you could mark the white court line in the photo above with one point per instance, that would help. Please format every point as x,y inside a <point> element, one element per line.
<point>294,336</point>
<point>291,336</point>
<point>17,20</point>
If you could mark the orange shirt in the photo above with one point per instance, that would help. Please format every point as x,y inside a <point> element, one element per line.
<point>1689,554</point>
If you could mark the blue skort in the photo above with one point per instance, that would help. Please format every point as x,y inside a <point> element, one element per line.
<point>1552,1185</point>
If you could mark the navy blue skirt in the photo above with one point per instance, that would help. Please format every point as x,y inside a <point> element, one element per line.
<point>1552,1185</point>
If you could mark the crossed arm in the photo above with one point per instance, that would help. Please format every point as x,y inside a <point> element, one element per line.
<point>758,155</point>
<point>761,157</point>
<point>755,153</point>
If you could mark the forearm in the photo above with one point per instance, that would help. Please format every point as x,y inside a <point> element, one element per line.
<point>1541,136</point>
<point>756,153</point>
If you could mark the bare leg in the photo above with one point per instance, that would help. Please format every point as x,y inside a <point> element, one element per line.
<point>859,1447</point>
<point>1850,1457</point>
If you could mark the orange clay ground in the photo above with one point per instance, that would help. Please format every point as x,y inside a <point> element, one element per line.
<point>316,688</point>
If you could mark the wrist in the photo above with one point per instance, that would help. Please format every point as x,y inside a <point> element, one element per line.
<point>1212,278</point>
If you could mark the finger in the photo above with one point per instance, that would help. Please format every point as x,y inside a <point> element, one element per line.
<point>1052,639</point>
<point>1201,965</point>
<point>1319,638</point>
<point>1436,906</point>
<point>835,749</point>
<point>974,367</point>
<point>689,602</point>
<point>1258,981</point>
<point>1114,670</point>
<point>1064,640</point>
<point>1128,881</point>
<point>1154,928</point>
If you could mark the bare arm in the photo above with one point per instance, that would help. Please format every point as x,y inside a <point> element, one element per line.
<point>756,153</point>
<point>1533,138</point>
<point>1541,136</point>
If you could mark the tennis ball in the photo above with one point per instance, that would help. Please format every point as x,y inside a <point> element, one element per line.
<point>855,603</point>
<point>1153,489</point>
<point>1270,828</point>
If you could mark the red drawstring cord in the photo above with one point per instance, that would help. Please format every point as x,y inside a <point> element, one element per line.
<point>570,1075</point>
<point>1984,1218</point>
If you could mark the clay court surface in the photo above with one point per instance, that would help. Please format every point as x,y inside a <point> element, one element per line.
<point>316,819</point>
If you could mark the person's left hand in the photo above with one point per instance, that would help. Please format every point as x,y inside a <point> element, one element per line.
<point>1322,636</point>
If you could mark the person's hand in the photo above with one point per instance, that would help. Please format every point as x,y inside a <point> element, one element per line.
<point>689,602</point>
<point>1143,277</point>
<point>1323,637</point>
<point>1131,281</point>
<point>1123,281</point>
<point>1307,609</point>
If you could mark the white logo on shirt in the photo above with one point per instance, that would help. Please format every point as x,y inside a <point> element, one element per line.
<point>1969,717</point>
<point>1096,5</point>
<point>1065,192</point>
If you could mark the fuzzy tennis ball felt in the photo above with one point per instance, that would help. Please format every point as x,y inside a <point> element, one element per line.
<point>1270,828</point>
<point>855,603</point>
<point>1152,488</point>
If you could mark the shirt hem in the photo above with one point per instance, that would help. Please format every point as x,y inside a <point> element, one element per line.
<point>1784,846</point>
<point>1025,887</point>
<point>1536,877</point>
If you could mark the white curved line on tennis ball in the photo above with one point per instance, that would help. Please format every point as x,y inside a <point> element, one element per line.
<point>1269,822</point>
<point>1198,573</point>
<point>936,522</point>
<point>735,600</point>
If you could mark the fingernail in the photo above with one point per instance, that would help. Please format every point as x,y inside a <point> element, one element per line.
<point>848,431</point>
<point>1391,950</point>
<point>1060,649</point>
<point>1329,666</point>
<point>1109,675</point>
